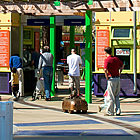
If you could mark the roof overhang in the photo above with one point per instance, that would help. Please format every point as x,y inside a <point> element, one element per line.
<point>67,8</point>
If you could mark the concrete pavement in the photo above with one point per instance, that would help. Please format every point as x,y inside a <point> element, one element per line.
<point>41,120</point>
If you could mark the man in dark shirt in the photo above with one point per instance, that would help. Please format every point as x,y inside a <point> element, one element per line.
<point>35,58</point>
<point>34,62</point>
<point>113,67</point>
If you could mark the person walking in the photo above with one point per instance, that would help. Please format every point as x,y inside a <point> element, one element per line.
<point>46,62</point>
<point>113,67</point>
<point>74,61</point>
<point>16,61</point>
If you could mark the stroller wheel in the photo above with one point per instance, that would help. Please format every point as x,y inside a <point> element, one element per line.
<point>42,96</point>
<point>56,89</point>
<point>37,98</point>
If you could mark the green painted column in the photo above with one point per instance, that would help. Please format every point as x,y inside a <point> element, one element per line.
<point>53,50</point>
<point>88,56</point>
<point>72,34</point>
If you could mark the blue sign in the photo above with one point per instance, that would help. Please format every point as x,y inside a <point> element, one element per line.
<point>82,45</point>
<point>38,22</point>
<point>74,22</point>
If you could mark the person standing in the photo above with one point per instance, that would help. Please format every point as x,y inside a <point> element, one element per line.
<point>113,67</point>
<point>34,62</point>
<point>46,62</point>
<point>34,59</point>
<point>74,61</point>
<point>16,61</point>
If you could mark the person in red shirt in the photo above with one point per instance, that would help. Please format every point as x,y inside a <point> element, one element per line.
<point>113,67</point>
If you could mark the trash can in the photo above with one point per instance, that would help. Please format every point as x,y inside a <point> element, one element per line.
<point>60,77</point>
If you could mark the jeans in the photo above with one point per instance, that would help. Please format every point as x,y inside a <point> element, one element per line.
<point>47,75</point>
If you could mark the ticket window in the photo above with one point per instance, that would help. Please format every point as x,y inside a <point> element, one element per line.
<point>27,45</point>
<point>124,55</point>
<point>26,55</point>
<point>121,34</point>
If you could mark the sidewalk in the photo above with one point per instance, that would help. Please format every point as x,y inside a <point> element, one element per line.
<point>45,120</point>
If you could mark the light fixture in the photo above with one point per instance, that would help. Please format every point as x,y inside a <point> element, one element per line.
<point>56,3</point>
<point>90,2</point>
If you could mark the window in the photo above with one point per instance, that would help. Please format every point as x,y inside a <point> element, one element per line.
<point>124,55</point>
<point>121,33</point>
<point>27,34</point>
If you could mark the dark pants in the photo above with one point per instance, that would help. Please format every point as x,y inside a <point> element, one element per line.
<point>15,88</point>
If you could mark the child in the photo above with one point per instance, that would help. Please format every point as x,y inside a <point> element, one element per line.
<point>15,82</point>
<point>106,99</point>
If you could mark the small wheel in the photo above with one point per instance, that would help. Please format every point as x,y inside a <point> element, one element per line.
<point>71,111</point>
<point>37,98</point>
<point>84,111</point>
<point>42,96</point>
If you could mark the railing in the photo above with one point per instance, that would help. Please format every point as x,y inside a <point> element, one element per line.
<point>6,120</point>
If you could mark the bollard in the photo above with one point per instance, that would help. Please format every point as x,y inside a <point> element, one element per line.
<point>6,120</point>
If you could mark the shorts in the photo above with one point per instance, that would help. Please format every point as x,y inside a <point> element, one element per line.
<point>76,80</point>
<point>15,88</point>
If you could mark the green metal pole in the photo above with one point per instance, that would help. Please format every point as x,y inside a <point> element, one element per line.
<point>88,56</point>
<point>53,50</point>
<point>72,34</point>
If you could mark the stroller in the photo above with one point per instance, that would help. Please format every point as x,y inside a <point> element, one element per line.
<point>39,90</point>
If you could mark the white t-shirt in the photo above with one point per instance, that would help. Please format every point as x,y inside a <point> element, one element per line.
<point>74,61</point>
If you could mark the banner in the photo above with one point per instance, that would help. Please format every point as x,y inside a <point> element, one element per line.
<point>102,41</point>
<point>4,48</point>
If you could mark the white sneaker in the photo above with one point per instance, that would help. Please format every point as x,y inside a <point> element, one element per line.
<point>108,114</point>
<point>15,98</point>
<point>118,112</point>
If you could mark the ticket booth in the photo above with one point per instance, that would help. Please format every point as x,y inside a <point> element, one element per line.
<point>122,45</point>
<point>11,28</point>
<point>115,29</point>
<point>9,45</point>
<point>31,40</point>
